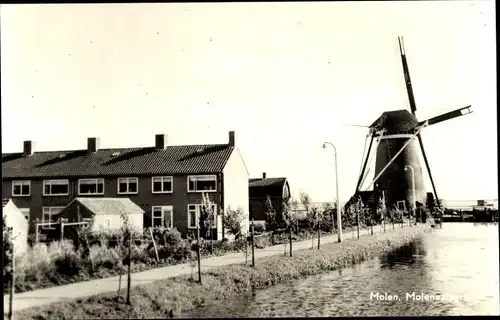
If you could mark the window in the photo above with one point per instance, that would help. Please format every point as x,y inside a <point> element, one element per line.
<point>90,186</point>
<point>50,216</point>
<point>26,213</point>
<point>162,184</point>
<point>21,188</point>
<point>55,187</point>
<point>193,213</point>
<point>128,185</point>
<point>107,222</point>
<point>202,183</point>
<point>163,216</point>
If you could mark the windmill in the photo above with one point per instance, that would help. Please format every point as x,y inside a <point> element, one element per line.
<point>398,139</point>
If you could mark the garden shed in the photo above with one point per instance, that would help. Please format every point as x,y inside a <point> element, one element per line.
<point>14,218</point>
<point>278,191</point>
<point>103,213</point>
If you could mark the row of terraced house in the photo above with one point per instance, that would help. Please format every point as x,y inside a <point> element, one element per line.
<point>164,183</point>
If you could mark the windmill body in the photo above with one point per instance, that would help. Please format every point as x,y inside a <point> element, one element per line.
<point>397,127</point>
<point>399,144</point>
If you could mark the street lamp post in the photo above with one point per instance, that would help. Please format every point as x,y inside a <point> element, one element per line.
<point>339,217</point>
<point>413,189</point>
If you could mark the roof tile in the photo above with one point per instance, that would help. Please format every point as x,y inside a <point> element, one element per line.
<point>115,162</point>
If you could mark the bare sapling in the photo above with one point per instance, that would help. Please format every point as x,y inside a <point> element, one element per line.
<point>129,261</point>
<point>290,221</point>
<point>207,218</point>
<point>8,262</point>
<point>253,243</point>
<point>305,200</point>
<point>270,217</point>
<point>318,224</point>
<point>122,245</point>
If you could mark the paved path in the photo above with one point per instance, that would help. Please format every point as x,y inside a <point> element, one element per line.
<point>88,288</point>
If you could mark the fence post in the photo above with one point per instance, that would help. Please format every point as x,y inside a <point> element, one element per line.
<point>319,235</point>
<point>285,243</point>
<point>253,243</point>
<point>246,249</point>
<point>211,239</point>
<point>154,244</point>
<point>61,220</point>
<point>357,222</point>
<point>290,237</point>
<point>36,231</point>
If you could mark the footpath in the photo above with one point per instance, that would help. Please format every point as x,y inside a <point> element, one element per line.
<point>88,288</point>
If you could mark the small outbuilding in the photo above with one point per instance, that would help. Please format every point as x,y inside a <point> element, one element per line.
<point>103,213</point>
<point>15,219</point>
<point>277,189</point>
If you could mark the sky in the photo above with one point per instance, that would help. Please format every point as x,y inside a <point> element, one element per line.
<point>284,76</point>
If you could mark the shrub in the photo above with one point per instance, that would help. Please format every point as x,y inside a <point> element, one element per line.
<point>259,227</point>
<point>182,251</point>
<point>69,264</point>
<point>167,237</point>
<point>232,221</point>
<point>105,257</point>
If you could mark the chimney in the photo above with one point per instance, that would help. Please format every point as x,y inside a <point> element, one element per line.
<point>93,144</point>
<point>232,142</point>
<point>263,175</point>
<point>160,141</point>
<point>28,148</point>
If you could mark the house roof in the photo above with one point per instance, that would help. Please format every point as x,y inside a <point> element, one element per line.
<point>259,182</point>
<point>188,159</point>
<point>272,187</point>
<point>396,121</point>
<point>109,206</point>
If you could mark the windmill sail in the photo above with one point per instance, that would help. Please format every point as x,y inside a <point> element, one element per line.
<point>449,115</point>
<point>406,71</point>
<point>413,107</point>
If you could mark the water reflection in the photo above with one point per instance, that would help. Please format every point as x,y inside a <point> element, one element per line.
<point>458,264</point>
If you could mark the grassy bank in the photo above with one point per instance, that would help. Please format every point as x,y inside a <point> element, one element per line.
<point>59,263</point>
<point>177,295</point>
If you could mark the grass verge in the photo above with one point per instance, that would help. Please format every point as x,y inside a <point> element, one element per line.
<point>60,264</point>
<point>174,296</point>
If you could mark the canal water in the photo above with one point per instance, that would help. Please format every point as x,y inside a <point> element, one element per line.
<point>450,271</point>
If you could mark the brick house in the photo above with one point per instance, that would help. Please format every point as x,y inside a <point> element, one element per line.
<point>165,181</point>
<point>278,191</point>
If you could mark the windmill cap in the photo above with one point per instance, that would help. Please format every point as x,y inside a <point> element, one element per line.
<point>395,121</point>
